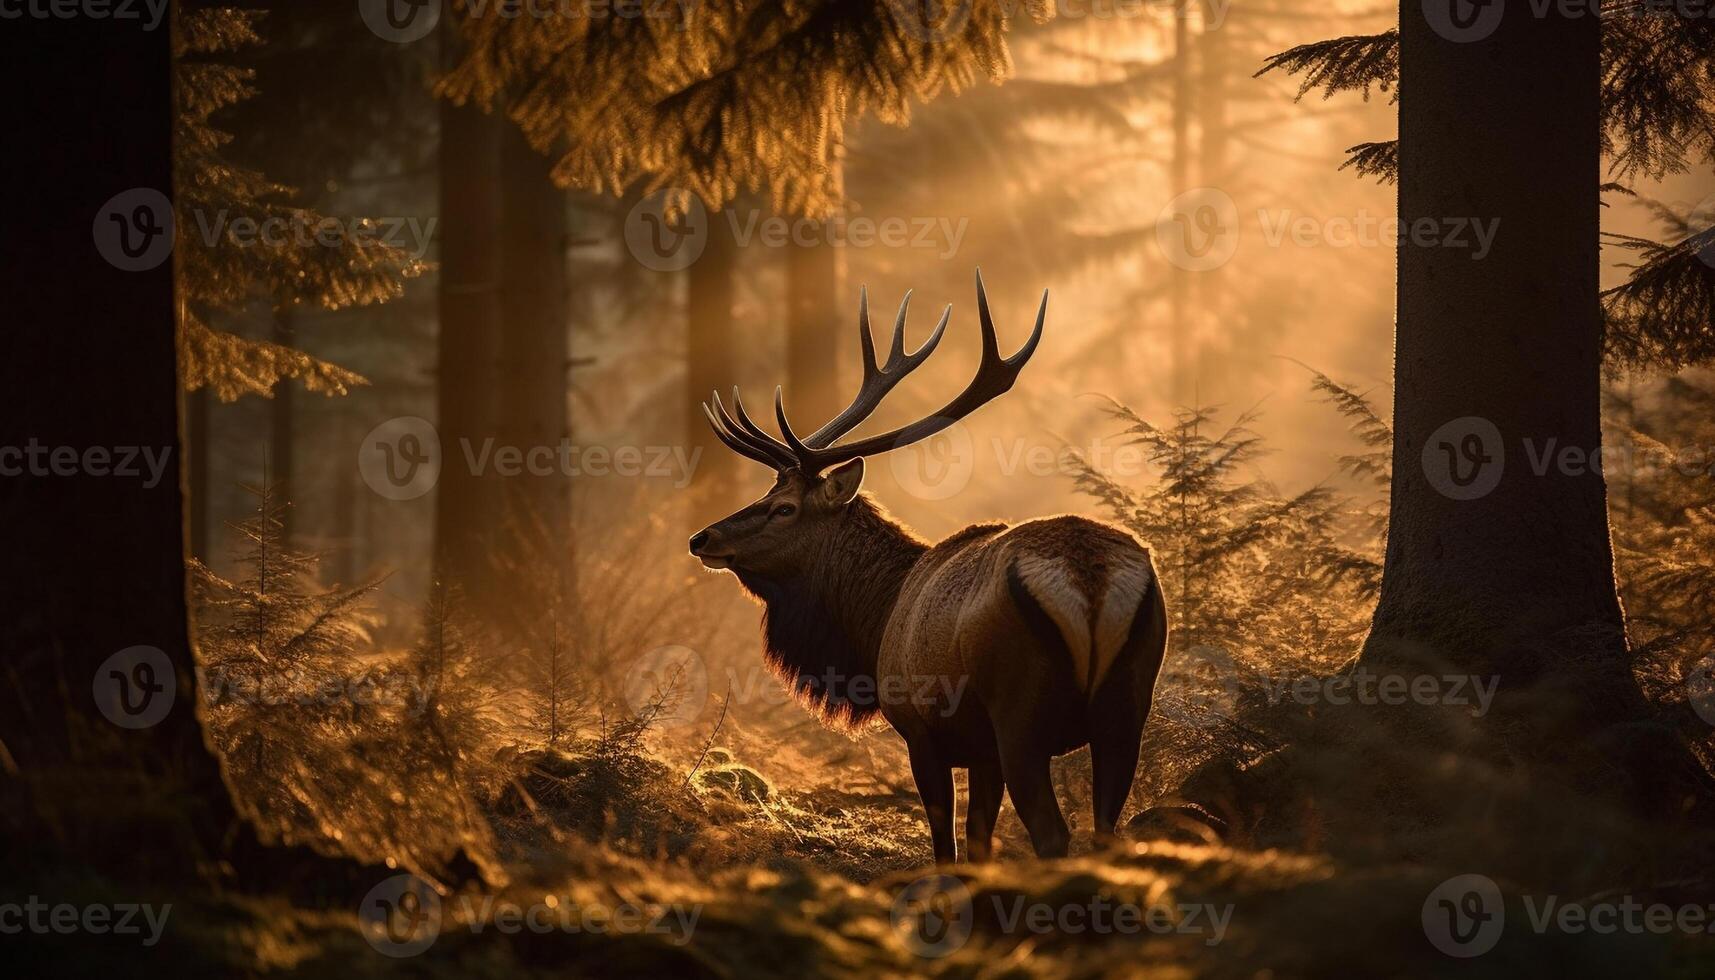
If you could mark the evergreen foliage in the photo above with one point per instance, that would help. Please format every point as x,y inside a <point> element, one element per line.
<point>241,239</point>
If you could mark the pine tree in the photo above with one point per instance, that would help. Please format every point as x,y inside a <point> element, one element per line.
<point>225,263</point>
<point>1657,118</point>
<point>279,658</point>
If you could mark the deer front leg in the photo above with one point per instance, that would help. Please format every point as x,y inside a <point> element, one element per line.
<point>935,785</point>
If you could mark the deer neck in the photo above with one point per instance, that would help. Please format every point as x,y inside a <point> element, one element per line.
<point>823,629</point>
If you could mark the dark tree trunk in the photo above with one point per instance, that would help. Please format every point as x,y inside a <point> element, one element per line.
<point>812,332</point>
<point>469,328</point>
<point>534,356</point>
<point>709,339</point>
<point>198,439</point>
<point>281,427</point>
<point>1516,582</point>
<point>94,562</point>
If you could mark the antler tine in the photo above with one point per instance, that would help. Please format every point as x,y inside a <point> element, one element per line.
<point>798,448</point>
<point>733,442</point>
<point>995,376</point>
<point>878,381</point>
<point>743,430</point>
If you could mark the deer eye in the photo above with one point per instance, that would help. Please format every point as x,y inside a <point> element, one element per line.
<point>785,510</point>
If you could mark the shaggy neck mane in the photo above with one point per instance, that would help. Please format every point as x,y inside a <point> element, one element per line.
<point>822,629</point>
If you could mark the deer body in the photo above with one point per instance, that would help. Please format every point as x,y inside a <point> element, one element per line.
<point>993,650</point>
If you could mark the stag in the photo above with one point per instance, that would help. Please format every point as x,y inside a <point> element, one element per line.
<point>994,650</point>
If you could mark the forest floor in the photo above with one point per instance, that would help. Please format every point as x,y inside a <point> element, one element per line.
<point>731,873</point>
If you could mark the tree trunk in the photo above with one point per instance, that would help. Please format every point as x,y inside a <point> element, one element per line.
<point>469,327</point>
<point>198,439</point>
<point>280,423</point>
<point>812,332</point>
<point>95,560</point>
<point>1179,176</point>
<point>534,355</point>
<point>1494,568</point>
<point>709,360</point>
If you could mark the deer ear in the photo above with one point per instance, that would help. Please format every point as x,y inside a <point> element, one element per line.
<point>842,483</point>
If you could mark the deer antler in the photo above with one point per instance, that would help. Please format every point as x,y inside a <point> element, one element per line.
<point>995,376</point>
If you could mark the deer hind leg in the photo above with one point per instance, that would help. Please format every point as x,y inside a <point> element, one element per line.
<point>982,809</point>
<point>1025,769</point>
<point>1117,733</point>
<point>935,786</point>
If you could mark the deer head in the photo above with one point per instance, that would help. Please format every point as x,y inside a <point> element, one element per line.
<point>816,478</point>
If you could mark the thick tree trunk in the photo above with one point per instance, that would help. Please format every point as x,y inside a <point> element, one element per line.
<point>1501,567</point>
<point>94,559</point>
<point>709,360</point>
<point>534,355</point>
<point>470,257</point>
<point>812,332</point>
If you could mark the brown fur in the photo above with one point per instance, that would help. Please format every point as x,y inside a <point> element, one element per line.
<point>994,649</point>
